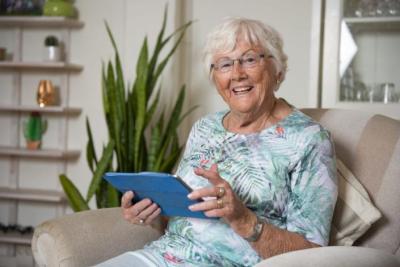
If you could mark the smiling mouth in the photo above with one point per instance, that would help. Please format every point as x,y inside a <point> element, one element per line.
<point>242,90</point>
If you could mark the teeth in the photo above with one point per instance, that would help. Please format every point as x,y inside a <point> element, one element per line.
<point>242,89</point>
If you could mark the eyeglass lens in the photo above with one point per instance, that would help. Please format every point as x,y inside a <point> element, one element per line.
<point>248,60</point>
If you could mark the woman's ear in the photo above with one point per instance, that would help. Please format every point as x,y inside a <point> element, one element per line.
<point>279,77</point>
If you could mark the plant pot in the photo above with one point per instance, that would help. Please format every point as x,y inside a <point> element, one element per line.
<point>52,53</point>
<point>33,145</point>
<point>58,8</point>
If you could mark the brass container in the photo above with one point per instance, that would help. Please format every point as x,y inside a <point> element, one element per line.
<point>46,95</point>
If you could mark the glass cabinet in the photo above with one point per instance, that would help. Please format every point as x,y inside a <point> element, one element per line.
<point>361,56</point>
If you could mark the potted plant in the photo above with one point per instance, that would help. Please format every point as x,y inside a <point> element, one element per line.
<point>34,129</point>
<point>142,136</point>
<point>52,49</point>
<point>63,8</point>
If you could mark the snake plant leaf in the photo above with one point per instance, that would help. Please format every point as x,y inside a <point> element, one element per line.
<point>91,156</point>
<point>115,123</point>
<point>157,49</point>
<point>130,132</point>
<point>101,193</point>
<point>102,166</point>
<point>141,101</point>
<point>164,62</point>
<point>153,107</point>
<point>75,199</point>
<point>175,115</point>
<point>169,163</point>
<point>113,197</point>
<point>153,147</point>
<point>119,72</point>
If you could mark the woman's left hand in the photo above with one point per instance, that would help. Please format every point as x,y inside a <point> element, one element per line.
<point>226,205</point>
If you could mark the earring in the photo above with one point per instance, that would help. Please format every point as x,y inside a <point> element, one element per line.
<point>278,82</point>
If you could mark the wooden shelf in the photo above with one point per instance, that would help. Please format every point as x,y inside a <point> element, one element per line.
<point>48,109</point>
<point>41,153</point>
<point>39,21</point>
<point>48,66</point>
<point>37,195</point>
<point>16,238</point>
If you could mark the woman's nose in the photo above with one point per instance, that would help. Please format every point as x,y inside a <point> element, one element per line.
<point>238,72</point>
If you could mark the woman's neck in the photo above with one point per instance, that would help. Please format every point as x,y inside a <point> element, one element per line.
<point>251,122</point>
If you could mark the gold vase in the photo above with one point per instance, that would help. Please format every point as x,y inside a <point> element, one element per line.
<point>46,94</point>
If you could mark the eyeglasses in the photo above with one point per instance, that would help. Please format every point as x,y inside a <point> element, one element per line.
<point>247,61</point>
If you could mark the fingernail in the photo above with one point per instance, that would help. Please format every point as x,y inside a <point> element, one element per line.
<point>190,196</point>
<point>191,207</point>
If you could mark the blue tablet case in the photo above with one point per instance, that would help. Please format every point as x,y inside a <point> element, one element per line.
<point>168,191</point>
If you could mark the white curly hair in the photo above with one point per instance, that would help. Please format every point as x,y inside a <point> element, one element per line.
<point>225,36</point>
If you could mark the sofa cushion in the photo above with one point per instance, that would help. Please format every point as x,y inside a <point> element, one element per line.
<point>354,212</point>
<point>369,145</point>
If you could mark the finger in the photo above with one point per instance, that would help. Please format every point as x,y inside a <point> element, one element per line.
<point>202,192</point>
<point>126,200</point>
<point>142,204</point>
<point>139,206</point>
<point>212,174</point>
<point>205,205</point>
<point>153,216</point>
<point>147,211</point>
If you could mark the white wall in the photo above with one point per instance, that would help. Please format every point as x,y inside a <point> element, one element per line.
<point>293,19</point>
<point>130,20</point>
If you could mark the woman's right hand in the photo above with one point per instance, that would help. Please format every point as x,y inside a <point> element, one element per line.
<point>143,212</point>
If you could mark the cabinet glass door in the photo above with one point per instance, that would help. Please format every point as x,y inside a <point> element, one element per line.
<point>361,56</point>
<point>369,51</point>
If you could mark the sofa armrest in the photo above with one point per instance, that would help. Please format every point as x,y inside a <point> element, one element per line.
<point>87,238</point>
<point>334,256</point>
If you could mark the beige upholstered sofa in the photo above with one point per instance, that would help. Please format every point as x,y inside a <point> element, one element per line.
<point>368,144</point>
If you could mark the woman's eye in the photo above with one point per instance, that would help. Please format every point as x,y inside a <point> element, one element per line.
<point>249,59</point>
<point>225,65</point>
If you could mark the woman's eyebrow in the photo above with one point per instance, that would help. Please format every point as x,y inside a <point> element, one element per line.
<point>245,52</point>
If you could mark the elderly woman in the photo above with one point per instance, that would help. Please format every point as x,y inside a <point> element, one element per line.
<point>266,170</point>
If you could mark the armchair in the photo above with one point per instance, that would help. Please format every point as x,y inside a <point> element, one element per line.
<point>368,144</point>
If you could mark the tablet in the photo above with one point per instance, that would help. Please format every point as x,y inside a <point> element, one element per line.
<point>168,191</point>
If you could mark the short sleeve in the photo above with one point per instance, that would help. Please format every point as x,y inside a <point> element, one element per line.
<point>313,186</point>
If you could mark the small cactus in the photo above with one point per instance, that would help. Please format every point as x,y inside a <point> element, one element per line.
<point>34,128</point>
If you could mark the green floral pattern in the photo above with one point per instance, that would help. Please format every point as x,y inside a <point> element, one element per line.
<point>285,173</point>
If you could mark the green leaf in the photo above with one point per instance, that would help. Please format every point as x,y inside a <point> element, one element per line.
<point>169,162</point>
<point>157,49</point>
<point>154,146</point>
<point>101,194</point>
<point>102,166</point>
<point>90,150</point>
<point>141,101</point>
<point>175,115</point>
<point>164,62</point>
<point>75,199</point>
<point>152,108</point>
<point>113,197</point>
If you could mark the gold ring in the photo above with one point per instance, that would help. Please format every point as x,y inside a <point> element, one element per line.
<point>220,203</point>
<point>141,221</point>
<point>221,192</point>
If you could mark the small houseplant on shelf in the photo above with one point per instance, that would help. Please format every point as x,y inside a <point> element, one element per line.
<point>34,129</point>
<point>52,51</point>
<point>139,139</point>
<point>63,8</point>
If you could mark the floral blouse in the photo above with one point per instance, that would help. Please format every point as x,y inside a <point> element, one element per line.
<point>286,174</point>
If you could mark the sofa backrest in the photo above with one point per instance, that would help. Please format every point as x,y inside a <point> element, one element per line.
<point>369,145</point>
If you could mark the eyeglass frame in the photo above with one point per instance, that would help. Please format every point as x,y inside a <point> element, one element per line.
<point>240,60</point>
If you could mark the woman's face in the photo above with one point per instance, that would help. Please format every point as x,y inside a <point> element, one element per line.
<point>246,90</point>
